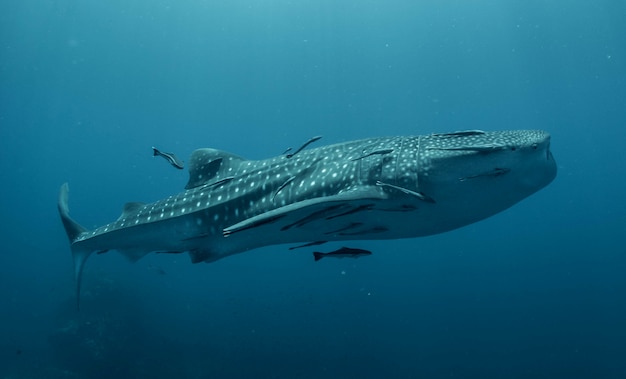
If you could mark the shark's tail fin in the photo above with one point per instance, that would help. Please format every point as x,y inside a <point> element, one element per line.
<point>73,230</point>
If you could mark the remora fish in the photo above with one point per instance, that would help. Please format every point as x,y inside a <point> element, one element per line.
<point>421,185</point>
<point>344,252</point>
<point>170,157</point>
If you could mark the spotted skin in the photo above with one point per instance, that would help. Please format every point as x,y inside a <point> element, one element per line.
<point>378,188</point>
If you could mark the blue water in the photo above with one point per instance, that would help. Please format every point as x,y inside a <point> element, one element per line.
<point>87,87</point>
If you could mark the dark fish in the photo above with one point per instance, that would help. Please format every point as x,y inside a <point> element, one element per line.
<point>419,195</point>
<point>173,159</point>
<point>344,252</point>
<point>307,143</point>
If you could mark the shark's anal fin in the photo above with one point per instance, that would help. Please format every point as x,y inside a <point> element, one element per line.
<point>73,230</point>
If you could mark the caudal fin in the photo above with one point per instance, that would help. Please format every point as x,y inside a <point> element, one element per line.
<point>73,230</point>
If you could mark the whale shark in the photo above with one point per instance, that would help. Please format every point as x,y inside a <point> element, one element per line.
<point>368,189</point>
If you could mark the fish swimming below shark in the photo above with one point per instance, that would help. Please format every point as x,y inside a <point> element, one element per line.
<point>369,189</point>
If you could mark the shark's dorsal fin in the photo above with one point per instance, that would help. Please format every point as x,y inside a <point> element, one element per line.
<point>130,208</point>
<point>208,165</point>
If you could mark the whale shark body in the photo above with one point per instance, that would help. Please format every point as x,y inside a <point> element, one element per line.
<point>378,188</point>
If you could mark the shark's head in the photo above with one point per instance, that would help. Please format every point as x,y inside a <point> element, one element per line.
<point>476,174</point>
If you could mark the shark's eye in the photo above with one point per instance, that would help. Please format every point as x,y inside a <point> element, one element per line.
<point>513,148</point>
<point>534,146</point>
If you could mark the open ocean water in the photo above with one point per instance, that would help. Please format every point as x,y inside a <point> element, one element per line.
<point>87,87</point>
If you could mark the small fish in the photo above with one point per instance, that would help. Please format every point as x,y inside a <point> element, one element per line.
<point>419,195</point>
<point>344,252</point>
<point>307,143</point>
<point>173,159</point>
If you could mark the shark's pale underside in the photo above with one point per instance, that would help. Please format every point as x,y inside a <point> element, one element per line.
<point>378,188</point>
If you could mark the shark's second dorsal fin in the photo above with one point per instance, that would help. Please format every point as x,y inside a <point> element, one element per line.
<point>208,165</point>
<point>130,208</point>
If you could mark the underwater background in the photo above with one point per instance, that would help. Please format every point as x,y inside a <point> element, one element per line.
<point>88,87</point>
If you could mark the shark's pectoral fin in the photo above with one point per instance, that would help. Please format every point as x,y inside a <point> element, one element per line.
<point>325,208</point>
